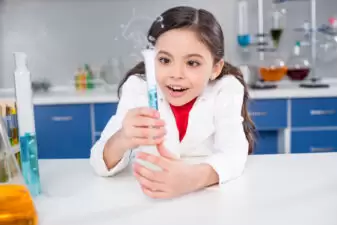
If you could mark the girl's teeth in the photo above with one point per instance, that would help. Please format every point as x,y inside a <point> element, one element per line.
<point>176,88</point>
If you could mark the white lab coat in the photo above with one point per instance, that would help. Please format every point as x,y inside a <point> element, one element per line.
<point>214,131</point>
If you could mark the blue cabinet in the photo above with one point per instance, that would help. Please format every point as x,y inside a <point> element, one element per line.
<point>269,117</point>
<point>311,141</point>
<point>269,114</point>
<point>266,142</point>
<point>68,131</point>
<point>63,131</point>
<point>314,112</point>
<point>103,113</point>
<point>97,137</point>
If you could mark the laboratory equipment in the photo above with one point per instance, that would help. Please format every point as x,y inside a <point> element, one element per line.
<point>25,114</point>
<point>16,204</point>
<point>243,36</point>
<point>315,80</point>
<point>298,65</point>
<point>327,51</point>
<point>149,55</point>
<point>111,71</point>
<point>273,67</point>
<point>277,24</point>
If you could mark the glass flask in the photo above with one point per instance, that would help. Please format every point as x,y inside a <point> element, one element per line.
<point>298,65</point>
<point>16,204</point>
<point>273,67</point>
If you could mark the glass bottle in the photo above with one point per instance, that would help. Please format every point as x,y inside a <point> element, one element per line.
<point>16,204</point>
<point>298,65</point>
<point>25,113</point>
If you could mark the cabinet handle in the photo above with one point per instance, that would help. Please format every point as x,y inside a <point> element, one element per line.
<point>318,112</point>
<point>258,113</point>
<point>328,149</point>
<point>61,118</point>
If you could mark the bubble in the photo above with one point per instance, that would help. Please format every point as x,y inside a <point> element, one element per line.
<point>116,38</point>
<point>122,25</point>
<point>162,25</point>
<point>152,39</point>
<point>160,19</point>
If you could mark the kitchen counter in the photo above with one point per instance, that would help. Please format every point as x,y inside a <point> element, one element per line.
<point>67,95</point>
<point>296,189</point>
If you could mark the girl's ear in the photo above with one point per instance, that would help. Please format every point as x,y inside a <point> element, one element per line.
<point>217,69</point>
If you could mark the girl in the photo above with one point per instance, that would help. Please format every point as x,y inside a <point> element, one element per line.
<point>203,112</point>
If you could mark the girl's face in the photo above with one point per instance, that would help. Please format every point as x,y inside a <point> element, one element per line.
<point>184,65</point>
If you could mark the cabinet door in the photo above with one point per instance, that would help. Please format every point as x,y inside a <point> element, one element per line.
<point>314,112</point>
<point>266,143</point>
<point>103,113</point>
<point>63,131</point>
<point>313,141</point>
<point>269,114</point>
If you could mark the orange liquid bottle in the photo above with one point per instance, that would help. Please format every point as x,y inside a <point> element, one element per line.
<point>16,204</point>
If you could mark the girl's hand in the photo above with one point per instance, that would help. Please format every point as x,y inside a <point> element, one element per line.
<point>142,126</point>
<point>175,179</point>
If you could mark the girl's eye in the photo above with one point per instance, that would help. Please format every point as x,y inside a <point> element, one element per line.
<point>193,63</point>
<point>164,60</point>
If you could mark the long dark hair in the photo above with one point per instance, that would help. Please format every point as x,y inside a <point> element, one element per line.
<point>210,33</point>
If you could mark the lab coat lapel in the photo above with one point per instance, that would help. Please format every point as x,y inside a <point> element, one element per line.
<point>200,122</point>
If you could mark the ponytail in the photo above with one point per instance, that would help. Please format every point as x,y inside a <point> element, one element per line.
<point>248,124</point>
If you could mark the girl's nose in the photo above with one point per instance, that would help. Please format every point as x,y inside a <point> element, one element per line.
<point>177,73</point>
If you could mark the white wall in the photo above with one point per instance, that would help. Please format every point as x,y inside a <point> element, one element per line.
<point>60,35</point>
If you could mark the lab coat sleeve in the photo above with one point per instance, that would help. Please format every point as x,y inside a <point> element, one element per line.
<point>230,143</point>
<point>127,101</point>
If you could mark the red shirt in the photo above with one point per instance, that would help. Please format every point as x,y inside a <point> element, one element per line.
<point>181,114</point>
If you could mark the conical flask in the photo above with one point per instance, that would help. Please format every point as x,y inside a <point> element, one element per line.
<point>16,204</point>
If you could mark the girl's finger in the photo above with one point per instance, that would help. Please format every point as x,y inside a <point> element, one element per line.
<point>142,121</point>
<point>151,185</point>
<point>148,132</point>
<point>156,194</point>
<point>162,162</point>
<point>148,141</point>
<point>145,111</point>
<point>155,176</point>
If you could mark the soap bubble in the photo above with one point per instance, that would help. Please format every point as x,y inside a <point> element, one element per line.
<point>160,19</point>
<point>151,39</point>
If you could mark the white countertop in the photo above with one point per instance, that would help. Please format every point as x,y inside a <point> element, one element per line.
<point>68,95</point>
<point>294,189</point>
